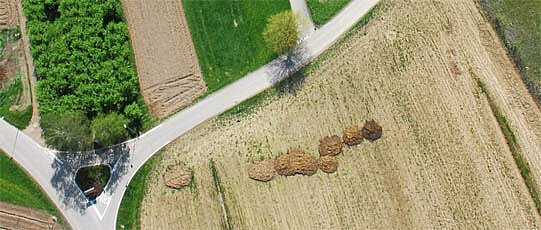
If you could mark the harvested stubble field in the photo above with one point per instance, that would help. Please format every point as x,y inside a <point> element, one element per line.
<point>442,161</point>
<point>167,65</point>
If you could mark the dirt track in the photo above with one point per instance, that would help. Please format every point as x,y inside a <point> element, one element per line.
<point>442,161</point>
<point>167,65</point>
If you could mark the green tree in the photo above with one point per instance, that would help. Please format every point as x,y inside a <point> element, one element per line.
<point>109,129</point>
<point>281,32</point>
<point>66,132</point>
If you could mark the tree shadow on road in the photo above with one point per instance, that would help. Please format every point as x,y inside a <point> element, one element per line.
<point>286,65</point>
<point>63,180</point>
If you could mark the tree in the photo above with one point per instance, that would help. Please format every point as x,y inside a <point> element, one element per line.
<point>281,32</point>
<point>66,132</point>
<point>109,129</point>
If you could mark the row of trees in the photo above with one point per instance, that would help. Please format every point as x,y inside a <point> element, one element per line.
<point>83,58</point>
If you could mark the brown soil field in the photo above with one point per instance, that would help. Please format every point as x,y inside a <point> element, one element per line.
<point>8,14</point>
<point>18,217</point>
<point>442,162</point>
<point>167,65</point>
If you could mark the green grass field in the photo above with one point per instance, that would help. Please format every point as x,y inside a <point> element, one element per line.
<point>9,97</point>
<point>17,188</point>
<point>519,25</point>
<point>227,37</point>
<point>323,11</point>
<point>128,213</point>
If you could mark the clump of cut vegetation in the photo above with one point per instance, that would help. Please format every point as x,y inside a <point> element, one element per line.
<point>262,171</point>
<point>323,10</point>
<point>330,145</point>
<point>353,135</point>
<point>296,161</point>
<point>18,188</point>
<point>371,130</point>
<point>178,176</point>
<point>83,58</point>
<point>227,36</point>
<point>328,164</point>
<point>517,24</point>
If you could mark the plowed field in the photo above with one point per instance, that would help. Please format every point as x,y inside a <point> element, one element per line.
<point>167,66</point>
<point>442,162</point>
<point>8,14</point>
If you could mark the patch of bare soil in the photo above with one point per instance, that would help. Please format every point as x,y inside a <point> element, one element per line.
<point>167,65</point>
<point>442,163</point>
<point>8,14</point>
<point>18,217</point>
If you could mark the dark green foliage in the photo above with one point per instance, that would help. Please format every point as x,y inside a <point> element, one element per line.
<point>83,56</point>
<point>128,213</point>
<point>66,131</point>
<point>9,97</point>
<point>87,177</point>
<point>17,188</point>
<point>519,25</point>
<point>323,11</point>
<point>227,53</point>
<point>109,129</point>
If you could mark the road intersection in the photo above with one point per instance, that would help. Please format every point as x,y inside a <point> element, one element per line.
<point>54,171</point>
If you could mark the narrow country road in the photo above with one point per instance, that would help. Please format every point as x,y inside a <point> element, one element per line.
<point>52,171</point>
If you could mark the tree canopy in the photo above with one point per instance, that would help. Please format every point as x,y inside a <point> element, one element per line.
<point>109,129</point>
<point>67,132</point>
<point>281,32</point>
<point>83,58</point>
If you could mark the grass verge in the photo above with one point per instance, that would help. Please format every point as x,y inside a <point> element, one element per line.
<point>227,36</point>
<point>519,26</point>
<point>220,190</point>
<point>130,207</point>
<point>511,140</point>
<point>18,188</point>
<point>10,97</point>
<point>323,11</point>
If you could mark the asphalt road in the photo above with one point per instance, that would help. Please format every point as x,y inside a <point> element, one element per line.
<point>48,169</point>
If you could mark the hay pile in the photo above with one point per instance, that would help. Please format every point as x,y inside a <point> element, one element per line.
<point>328,164</point>
<point>263,171</point>
<point>353,135</point>
<point>296,162</point>
<point>331,146</point>
<point>371,130</point>
<point>178,177</point>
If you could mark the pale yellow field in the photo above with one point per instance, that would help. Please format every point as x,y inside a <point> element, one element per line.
<point>442,161</point>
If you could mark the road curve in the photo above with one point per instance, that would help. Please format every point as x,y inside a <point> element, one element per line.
<point>40,162</point>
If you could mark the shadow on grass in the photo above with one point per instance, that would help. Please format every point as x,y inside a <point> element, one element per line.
<point>63,180</point>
